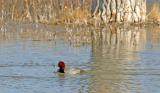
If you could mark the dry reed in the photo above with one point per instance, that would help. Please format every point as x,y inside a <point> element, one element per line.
<point>76,16</point>
<point>154,14</point>
<point>45,11</point>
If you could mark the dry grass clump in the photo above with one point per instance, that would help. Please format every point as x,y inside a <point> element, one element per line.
<point>154,14</point>
<point>71,11</point>
<point>76,16</point>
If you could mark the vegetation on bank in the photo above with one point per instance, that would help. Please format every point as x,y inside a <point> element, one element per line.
<point>56,12</point>
<point>45,11</point>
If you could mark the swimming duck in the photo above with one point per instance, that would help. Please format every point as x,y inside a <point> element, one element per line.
<point>62,69</point>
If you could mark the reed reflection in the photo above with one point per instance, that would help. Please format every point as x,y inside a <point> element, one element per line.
<point>114,51</point>
<point>35,32</point>
<point>153,36</point>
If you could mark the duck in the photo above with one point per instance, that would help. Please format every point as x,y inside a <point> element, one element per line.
<point>62,69</point>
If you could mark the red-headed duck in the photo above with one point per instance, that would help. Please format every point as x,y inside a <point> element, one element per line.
<point>63,69</point>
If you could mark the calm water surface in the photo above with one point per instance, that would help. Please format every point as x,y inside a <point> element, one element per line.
<point>116,61</point>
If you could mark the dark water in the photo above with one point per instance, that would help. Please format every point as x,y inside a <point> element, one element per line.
<point>121,60</point>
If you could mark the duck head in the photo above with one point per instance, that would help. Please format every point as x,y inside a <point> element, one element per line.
<point>61,66</point>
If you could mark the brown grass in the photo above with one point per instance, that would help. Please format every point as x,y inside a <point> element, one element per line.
<point>76,16</point>
<point>154,14</point>
<point>72,12</point>
<point>45,11</point>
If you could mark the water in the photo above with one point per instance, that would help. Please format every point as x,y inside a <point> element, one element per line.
<point>28,66</point>
<point>119,60</point>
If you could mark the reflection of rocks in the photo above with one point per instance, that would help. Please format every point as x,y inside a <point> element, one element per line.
<point>110,35</point>
<point>113,50</point>
<point>115,58</point>
<point>120,37</point>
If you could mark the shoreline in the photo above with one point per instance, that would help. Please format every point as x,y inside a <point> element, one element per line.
<point>49,27</point>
